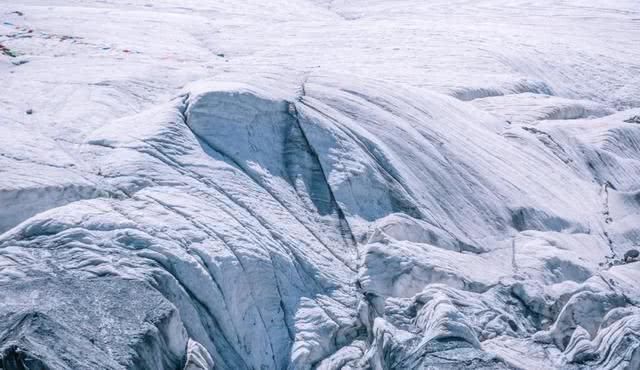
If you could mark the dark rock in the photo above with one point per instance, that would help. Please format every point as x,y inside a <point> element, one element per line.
<point>631,254</point>
<point>83,324</point>
<point>634,119</point>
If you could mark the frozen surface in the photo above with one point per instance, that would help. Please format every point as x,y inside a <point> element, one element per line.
<point>319,184</point>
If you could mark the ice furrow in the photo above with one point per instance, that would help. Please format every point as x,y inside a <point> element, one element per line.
<point>158,153</point>
<point>215,235</point>
<point>264,182</point>
<point>415,212</point>
<point>344,223</point>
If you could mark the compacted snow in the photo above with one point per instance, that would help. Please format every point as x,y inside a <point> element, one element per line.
<point>313,184</point>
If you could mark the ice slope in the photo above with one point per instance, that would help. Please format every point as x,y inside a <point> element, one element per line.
<point>313,184</point>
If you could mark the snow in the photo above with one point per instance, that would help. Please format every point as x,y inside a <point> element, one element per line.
<point>319,184</point>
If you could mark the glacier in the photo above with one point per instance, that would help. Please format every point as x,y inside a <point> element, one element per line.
<point>319,184</point>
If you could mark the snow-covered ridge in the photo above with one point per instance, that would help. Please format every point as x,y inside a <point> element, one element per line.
<point>284,197</point>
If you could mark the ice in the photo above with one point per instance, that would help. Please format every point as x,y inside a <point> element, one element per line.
<point>317,184</point>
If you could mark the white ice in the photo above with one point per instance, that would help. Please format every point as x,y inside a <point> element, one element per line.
<point>319,184</point>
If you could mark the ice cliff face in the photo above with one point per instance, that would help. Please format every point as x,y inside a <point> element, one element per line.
<point>292,185</point>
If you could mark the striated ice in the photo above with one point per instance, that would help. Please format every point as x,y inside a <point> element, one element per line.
<point>317,184</point>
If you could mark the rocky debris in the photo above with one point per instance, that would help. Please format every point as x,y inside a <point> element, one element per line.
<point>634,119</point>
<point>8,52</point>
<point>63,323</point>
<point>631,255</point>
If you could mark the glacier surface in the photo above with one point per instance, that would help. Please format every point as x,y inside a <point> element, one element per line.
<point>319,184</point>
